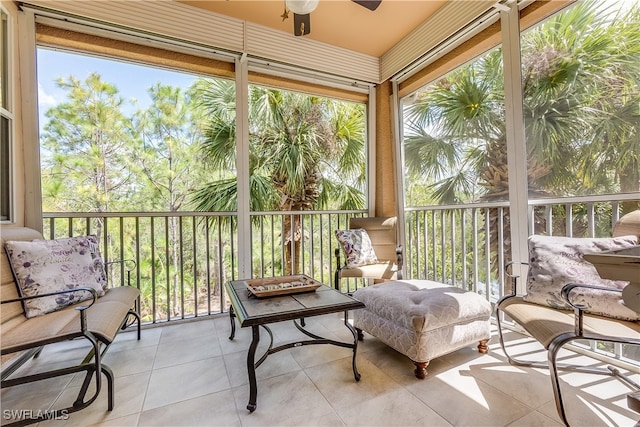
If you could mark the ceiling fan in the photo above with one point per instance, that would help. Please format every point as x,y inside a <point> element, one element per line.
<point>302,9</point>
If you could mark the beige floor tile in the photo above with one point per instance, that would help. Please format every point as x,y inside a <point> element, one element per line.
<point>585,404</point>
<point>371,343</point>
<point>476,402</point>
<point>242,340</point>
<point>128,340</point>
<point>334,321</point>
<point>522,384</point>
<point>336,382</point>
<point>287,400</point>
<point>216,409</point>
<point>314,355</point>
<point>129,421</point>
<point>186,381</point>
<point>132,361</point>
<point>18,400</point>
<point>397,365</point>
<point>468,354</point>
<point>55,356</point>
<point>395,408</point>
<point>195,329</point>
<point>222,326</point>
<point>535,419</point>
<point>326,420</point>
<point>187,350</point>
<point>129,392</point>
<point>274,365</point>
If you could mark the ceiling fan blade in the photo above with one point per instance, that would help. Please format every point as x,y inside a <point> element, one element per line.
<point>301,24</point>
<point>369,4</point>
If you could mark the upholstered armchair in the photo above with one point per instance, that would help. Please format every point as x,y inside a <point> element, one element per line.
<point>370,249</point>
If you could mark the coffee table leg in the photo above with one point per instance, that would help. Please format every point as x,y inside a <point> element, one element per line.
<point>233,323</point>
<point>356,374</point>
<point>251,368</point>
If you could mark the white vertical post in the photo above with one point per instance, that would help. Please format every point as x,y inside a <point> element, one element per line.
<point>516,142</point>
<point>398,164</point>
<point>242,166</point>
<point>371,145</point>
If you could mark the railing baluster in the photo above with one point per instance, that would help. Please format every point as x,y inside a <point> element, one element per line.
<point>194,247</point>
<point>591,220</point>
<point>154,307</point>
<point>569,219</point>
<point>463,249</point>
<point>475,231</point>
<point>207,243</point>
<point>181,265</point>
<point>453,248</point>
<point>170,283</point>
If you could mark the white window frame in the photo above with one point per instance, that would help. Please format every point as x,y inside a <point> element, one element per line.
<point>6,113</point>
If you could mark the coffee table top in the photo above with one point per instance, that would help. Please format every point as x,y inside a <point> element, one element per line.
<point>251,310</point>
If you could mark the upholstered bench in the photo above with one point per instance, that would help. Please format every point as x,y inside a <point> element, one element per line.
<point>423,319</point>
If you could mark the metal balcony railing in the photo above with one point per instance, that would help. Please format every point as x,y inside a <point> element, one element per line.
<point>468,245</point>
<point>182,259</point>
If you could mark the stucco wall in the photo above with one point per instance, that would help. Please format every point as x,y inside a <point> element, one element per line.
<point>385,204</point>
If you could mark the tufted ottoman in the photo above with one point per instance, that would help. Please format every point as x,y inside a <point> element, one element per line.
<point>423,319</point>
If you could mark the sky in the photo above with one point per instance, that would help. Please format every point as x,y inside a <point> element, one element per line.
<point>131,80</point>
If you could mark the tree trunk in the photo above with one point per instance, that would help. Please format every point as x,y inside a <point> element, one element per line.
<point>291,243</point>
<point>630,183</point>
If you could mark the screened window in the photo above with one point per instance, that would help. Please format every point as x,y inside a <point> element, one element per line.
<point>581,86</point>
<point>118,136</point>
<point>307,153</point>
<point>454,137</point>
<point>454,150</point>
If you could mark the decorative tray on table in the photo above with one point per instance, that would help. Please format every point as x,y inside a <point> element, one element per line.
<point>282,285</point>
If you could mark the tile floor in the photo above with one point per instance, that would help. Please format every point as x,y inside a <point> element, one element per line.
<point>191,374</point>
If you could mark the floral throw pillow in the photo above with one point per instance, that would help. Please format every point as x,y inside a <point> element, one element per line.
<point>357,247</point>
<point>44,266</point>
<point>98,261</point>
<point>556,261</point>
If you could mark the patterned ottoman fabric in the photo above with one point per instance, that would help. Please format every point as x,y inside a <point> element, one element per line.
<point>423,319</point>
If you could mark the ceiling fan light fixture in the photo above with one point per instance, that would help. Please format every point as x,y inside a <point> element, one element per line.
<point>302,7</point>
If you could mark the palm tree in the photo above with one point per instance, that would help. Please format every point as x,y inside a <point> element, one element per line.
<point>305,153</point>
<point>571,66</point>
<point>582,73</point>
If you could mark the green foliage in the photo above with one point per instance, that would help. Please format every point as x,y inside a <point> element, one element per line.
<point>581,73</point>
<point>87,147</point>
<point>305,152</point>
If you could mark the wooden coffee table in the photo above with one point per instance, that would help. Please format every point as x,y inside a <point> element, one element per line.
<point>256,312</point>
